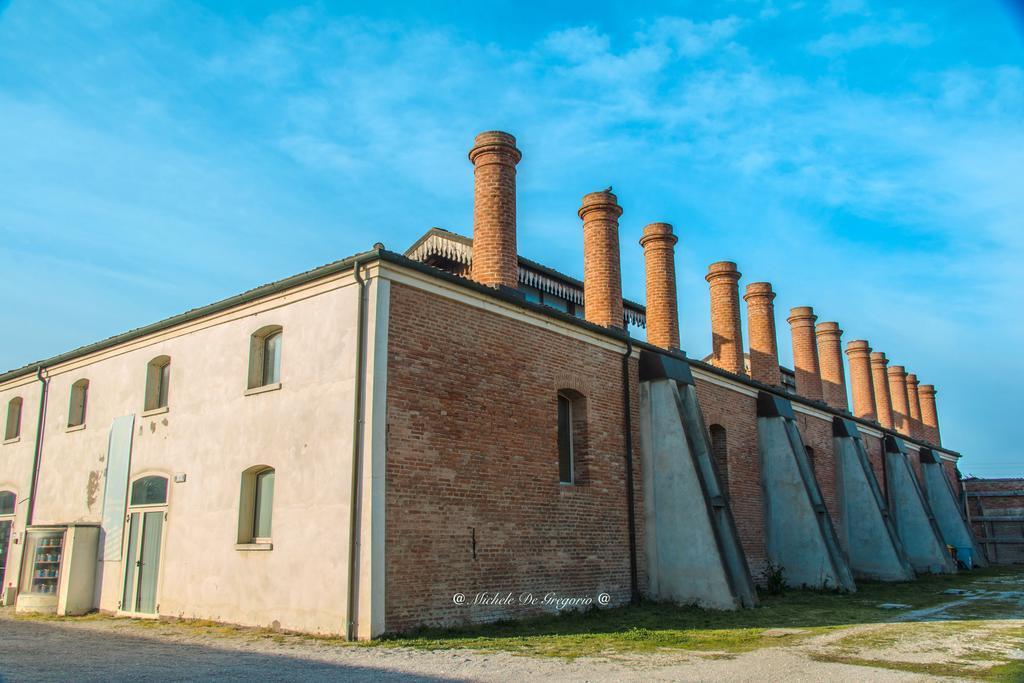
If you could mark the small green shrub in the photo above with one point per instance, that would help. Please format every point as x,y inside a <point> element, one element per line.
<point>775,579</point>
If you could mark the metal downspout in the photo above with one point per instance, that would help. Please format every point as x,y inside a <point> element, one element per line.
<point>357,429</point>
<point>627,404</point>
<point>43,394</point>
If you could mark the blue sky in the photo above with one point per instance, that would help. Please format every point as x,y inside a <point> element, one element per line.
<point>867,158</point>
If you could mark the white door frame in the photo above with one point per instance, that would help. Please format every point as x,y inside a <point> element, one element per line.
<point>142,510</point>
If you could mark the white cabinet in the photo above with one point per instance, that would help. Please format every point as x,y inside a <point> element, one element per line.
<point>58,574</point>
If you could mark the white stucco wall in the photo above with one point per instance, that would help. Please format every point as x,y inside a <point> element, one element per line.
<point>211,432</point>
<point>16,458</point>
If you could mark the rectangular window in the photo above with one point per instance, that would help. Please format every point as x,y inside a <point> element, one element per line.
<point>531,294</point>
<point>164,384</point>
<point>556,302</point>
<point>263,505</point>
<point>272,359</point>
<point>564,440</point>
<point>158,382</point>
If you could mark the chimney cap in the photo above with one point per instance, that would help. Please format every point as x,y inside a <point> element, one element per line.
<point>897,370</point>
<point>828,328</point>
<point>658,232</point>
<point>495,141</point>
<point>603,200</point>
<point>911,378</point>
<point>759,289</point>
<point>801,313</point>
<point>726,269</point>
<point>928,389</point>
<point>879,357</point>
<point>858,345</point>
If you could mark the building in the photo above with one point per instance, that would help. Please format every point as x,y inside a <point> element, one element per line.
<point>345,450</point>
<point>995,508</point>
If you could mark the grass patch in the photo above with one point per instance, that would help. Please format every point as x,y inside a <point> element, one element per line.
<point>655,626</point>
<point>986,608</point>
<point>981,650</point>
<point>34,616</point>
<point>780,620</point>
<point>1009,671</point>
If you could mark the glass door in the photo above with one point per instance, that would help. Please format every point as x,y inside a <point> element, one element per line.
<point>142,562</point>
<point>5,542</point>
<point>43,552</point>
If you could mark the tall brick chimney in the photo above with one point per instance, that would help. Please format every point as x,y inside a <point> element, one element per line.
<point>858,352</point>
<point>914,404</point>
<point>898,396</point>
<point>764,350</point>
<point>880,380</point>
<point>726,334</point>
<point>659,246</point>
<point>929,413</point>
<point>602,278</point>
<point>805,352</point>
<point>495,258</point>
<point>830,357</point>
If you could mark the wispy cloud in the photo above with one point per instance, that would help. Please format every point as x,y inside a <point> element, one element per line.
<point>843,7</point>
<point>871,35</point>
<point>693,39</point>
<point>213,153</point>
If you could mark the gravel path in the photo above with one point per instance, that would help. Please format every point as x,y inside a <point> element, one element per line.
<point>120,650</point>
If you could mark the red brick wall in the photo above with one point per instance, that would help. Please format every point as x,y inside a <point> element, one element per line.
<point>915,465</point>
<point>817,434</point>
<point>472,450</point>
<point>472,445</point>
<point>954,479</point>
<point>1011,533</point>
<point>737,413</point>
<point>873,446</point>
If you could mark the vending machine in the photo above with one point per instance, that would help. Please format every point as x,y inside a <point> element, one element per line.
<point>58,574</point>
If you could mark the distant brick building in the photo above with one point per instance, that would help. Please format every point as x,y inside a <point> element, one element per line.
<point>351,449</point>
<point>996,510</point>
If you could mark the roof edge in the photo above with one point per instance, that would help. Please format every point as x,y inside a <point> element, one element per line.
<point>196,313</point>
<point>380,253</point>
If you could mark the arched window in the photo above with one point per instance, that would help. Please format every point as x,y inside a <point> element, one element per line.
<point>256,505</point>
<point>13,430</point>
<point>720,454</point>
<point>7,500</point>
<point>265,356</point>
<point>158,381</point>
<point>79,402</point>
<point>572,436</point>
<point>149,491</point>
